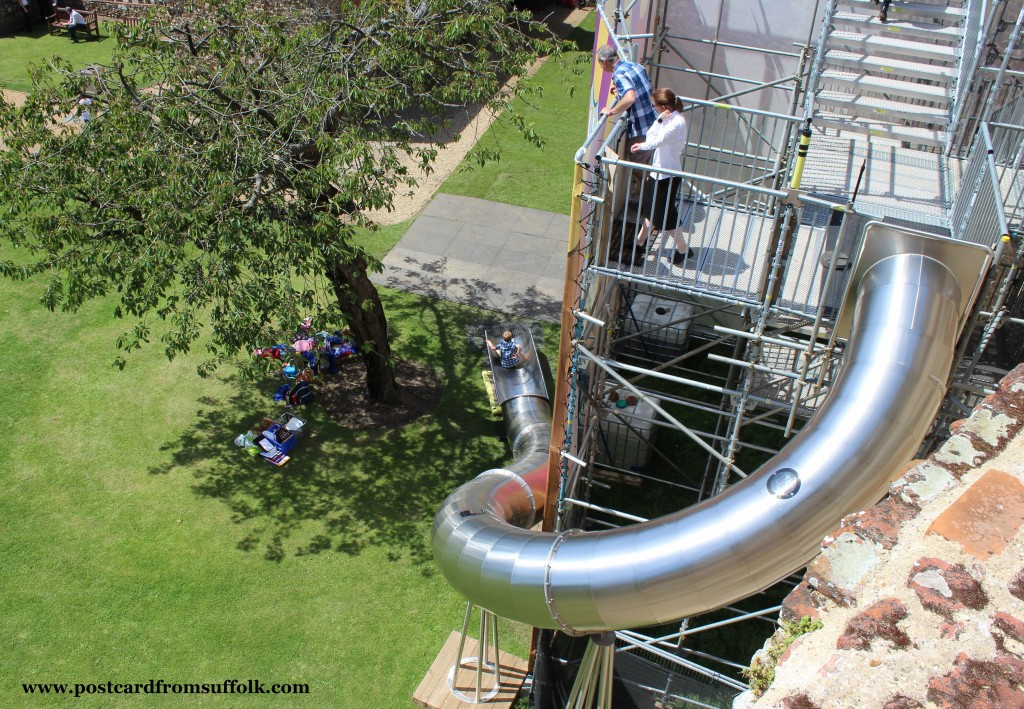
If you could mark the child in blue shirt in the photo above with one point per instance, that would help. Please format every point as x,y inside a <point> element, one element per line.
<point>506,350</point>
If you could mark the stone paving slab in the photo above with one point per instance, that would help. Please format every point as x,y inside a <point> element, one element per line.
<point>533,221</point>
<point>485,254</point>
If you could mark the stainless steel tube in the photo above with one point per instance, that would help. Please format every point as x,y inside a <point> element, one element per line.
<point>904,328</point>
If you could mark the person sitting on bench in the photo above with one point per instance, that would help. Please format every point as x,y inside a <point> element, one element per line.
<point>76,23</point>
<point>506,350</point>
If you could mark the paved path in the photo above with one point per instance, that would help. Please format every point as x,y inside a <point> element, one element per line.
<point>485,254</point>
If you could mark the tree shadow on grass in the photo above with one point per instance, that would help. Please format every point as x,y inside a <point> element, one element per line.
<point>345,490</point>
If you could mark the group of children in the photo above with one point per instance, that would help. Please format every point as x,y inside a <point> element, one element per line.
<point>305,358</point>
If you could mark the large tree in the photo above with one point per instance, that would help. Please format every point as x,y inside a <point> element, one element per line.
<point>232,155</point>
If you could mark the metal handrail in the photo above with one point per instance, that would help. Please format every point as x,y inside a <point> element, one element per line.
<point>990,163</point>
<point>595,131</point>
<point>733,45</point>
<point>977,27</point>
<point>758,84</point>
<point>812,83</point>
<point>696,177</point>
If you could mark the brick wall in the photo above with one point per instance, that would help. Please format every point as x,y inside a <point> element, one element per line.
<point>921,598</point>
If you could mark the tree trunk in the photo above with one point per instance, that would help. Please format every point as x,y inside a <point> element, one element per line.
<point>360,302</point>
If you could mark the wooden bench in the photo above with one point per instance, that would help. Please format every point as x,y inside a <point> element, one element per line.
<point>130,13</point>
<point>59,20</point>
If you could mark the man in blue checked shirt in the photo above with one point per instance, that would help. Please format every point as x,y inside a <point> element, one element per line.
<point>633,93</point>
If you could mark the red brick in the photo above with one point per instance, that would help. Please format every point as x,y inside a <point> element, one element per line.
<point>1016,586</point>
<point>949,630</point>
<point>1010,626</point>
<point>986,517</point>
<point>906,470</point>
<point>979,684</point>
<point>1006,401</point>
<point>880,524</point>
<point>945,588</point>
<point>954,428</point>
<point>798,701</point>
<point>880,621</point>
<point>820,569</point>
<point>802,601</point>
<point>1014,664</point>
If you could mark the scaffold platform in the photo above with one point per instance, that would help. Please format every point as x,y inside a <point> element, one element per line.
<point>434,692</point>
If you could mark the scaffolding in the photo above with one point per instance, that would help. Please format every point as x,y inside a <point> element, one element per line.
<point>682,377</point>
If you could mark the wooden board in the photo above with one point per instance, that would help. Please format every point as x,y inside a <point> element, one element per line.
<point>488,377</point>
<point>434,693</point>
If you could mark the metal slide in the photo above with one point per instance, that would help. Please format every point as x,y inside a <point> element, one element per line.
<point>906,304</point>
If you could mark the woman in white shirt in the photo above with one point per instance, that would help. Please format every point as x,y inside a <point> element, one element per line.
<point>667,137</point>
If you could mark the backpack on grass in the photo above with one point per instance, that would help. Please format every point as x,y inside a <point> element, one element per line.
<point>301,393</point>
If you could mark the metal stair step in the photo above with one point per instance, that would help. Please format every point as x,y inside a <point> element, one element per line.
<point>881,109</point>
<point>909,10</point>
<point>886,66</point>
<point>909,134</point>
<point>875,45</point>
<point>870,24</point>
<point>891,87</point>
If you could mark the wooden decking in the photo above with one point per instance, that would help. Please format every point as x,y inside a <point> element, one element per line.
<point>492,400</point>
<point>434,693</point>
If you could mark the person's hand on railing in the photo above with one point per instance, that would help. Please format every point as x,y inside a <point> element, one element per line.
<point>605,113</point>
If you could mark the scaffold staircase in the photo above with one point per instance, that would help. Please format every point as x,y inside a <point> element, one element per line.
<point>891,80</point>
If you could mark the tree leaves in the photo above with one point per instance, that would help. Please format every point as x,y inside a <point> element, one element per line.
<point>231,154</point>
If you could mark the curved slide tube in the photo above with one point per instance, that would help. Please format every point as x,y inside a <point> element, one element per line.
<point>524,405</point>
<point>902,337</point>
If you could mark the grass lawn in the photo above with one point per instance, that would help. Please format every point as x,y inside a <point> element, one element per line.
<point>19,51</point>
<point>139,543</point>
<point>526,176</point>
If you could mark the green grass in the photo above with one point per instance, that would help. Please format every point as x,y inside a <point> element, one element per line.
<point>525,175</point>
<point>137,542</point>
<point>378,243</point>
<point>21,50</point>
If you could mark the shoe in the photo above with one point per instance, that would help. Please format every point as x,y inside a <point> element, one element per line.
<point>883,18</point>
<point>630,254</point>
<point>678,258</point>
